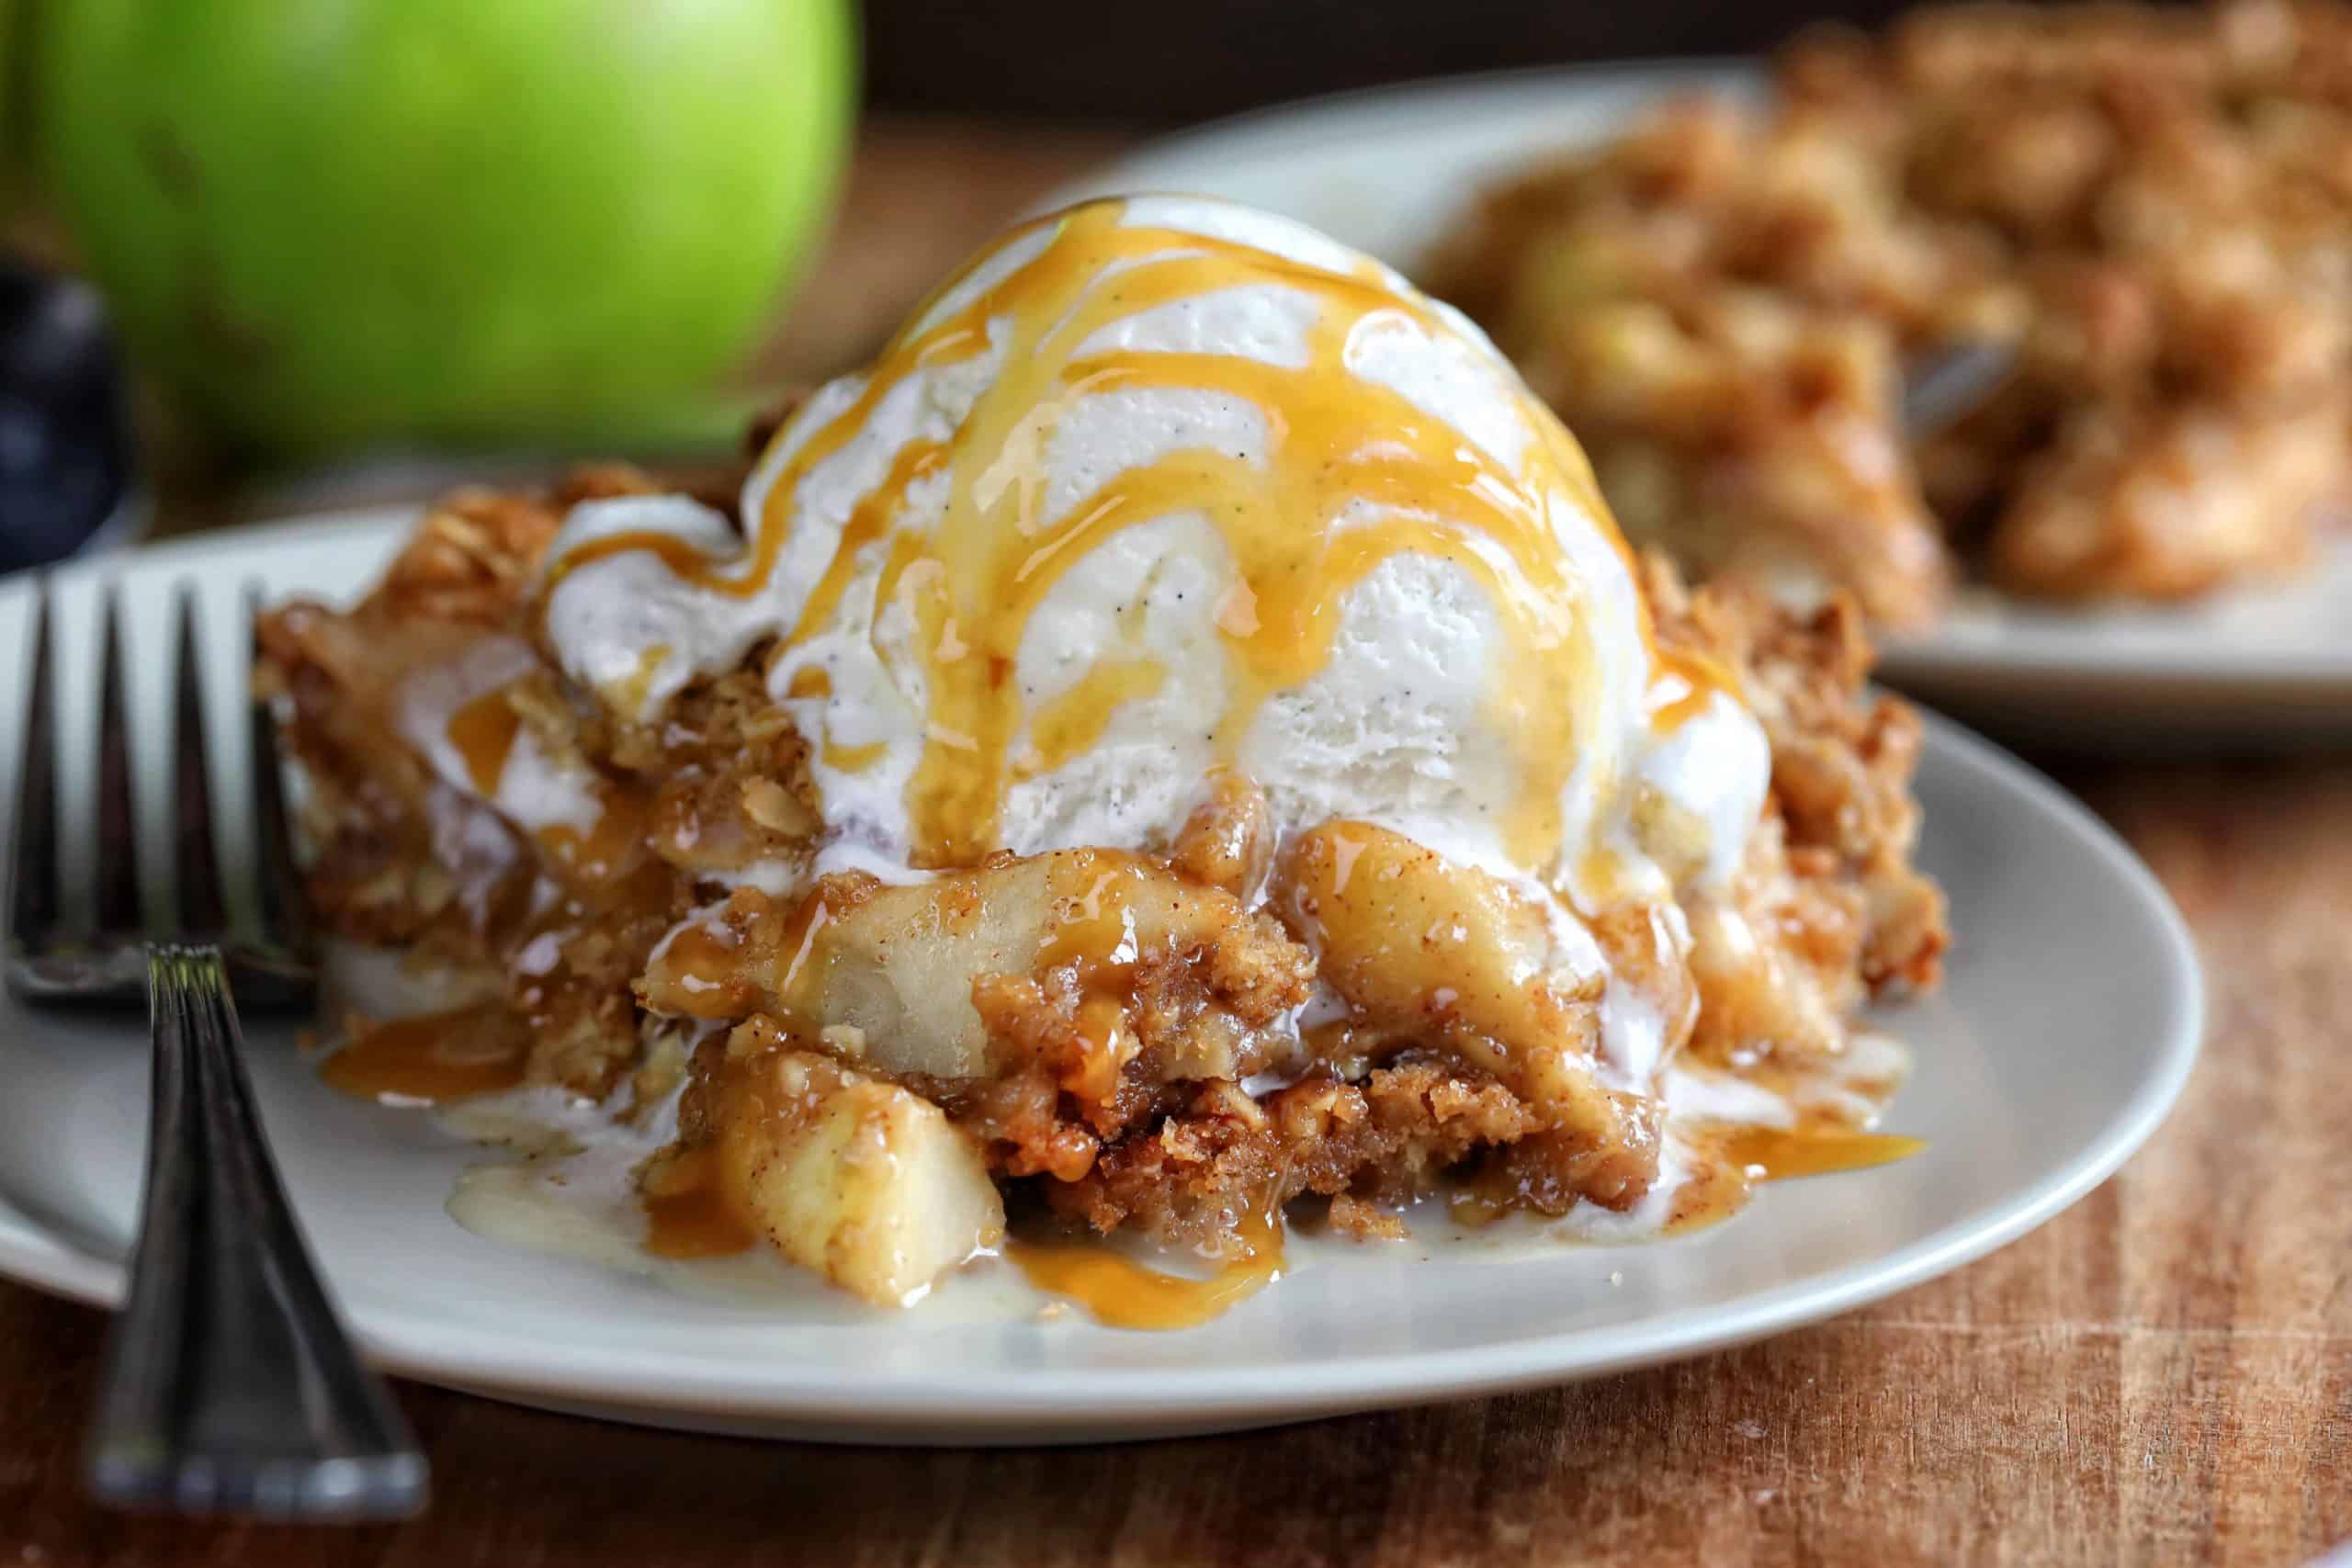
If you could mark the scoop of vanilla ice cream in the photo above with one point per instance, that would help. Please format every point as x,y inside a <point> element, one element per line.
<point>1074,503</point>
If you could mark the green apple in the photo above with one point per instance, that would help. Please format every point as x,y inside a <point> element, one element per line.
<point>330,222</point>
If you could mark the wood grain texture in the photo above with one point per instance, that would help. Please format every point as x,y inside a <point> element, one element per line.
<point>2164,1375</point>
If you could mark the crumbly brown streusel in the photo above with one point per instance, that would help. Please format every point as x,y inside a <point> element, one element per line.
<point>2150,208</point>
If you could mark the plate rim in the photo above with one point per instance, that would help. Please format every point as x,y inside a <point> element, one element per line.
<point>1657,72</point>
<point>659,1385</point>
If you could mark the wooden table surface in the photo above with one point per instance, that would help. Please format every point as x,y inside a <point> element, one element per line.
<point>2164,1375</point>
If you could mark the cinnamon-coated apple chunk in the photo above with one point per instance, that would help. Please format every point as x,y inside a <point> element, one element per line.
<point>900,964</point>
<point>858,1179</point>
<point>1447,955</point>
<point>1444,953</point>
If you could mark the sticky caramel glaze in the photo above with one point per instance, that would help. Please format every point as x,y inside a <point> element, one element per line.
<point>1428,949</point>
<point>1776,1154</point>
<point>686,1214</point>
<point>1688,681</point>
<point>1729,1162</point>
<point>759,956</point>
<point>611,846</point>
<point>484,732</point>
<point>1095,935</point>
<point>1334,439</point>
<point>710,967</point>
<point>1089,916</point>
<point>1074,721</point>
<point>692,1208</point>
<point>1733,1160</point>
<point>433,1058</point>
<point>1120,1292</point>
<point>852,758</point>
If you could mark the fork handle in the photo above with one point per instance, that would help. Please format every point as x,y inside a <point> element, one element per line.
<point>229,1386</point>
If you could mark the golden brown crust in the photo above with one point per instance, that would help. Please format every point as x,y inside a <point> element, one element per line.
<point>1200,1170</point>
<point>1829,872</point>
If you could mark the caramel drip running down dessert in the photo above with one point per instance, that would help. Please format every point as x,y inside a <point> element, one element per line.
<point>1178,736</point>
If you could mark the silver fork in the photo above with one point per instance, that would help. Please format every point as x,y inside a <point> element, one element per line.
<point>229,1384</point>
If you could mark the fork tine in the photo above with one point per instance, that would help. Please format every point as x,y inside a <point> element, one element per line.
<point>32,871</point>
<point>284,915</point>
<point>203,912</point>
<point>118,909</point>
<point>229,1384</point>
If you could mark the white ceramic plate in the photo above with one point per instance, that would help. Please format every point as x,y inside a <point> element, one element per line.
<point>1391,172</point>
<point>2067,1027</point>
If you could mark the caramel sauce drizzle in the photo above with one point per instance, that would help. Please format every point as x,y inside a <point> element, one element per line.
<point>1687,681</point>
<point>433,1058</point>
<point>688,1215</point>
<point>1071,723</point>
<point>1117,1290</point>
<point>1780,1153</point>
<point>611,846</point>
<point>484,732</point>
<point>853,758</point>
<point>1732,1159</point>
<point>710,968</point>
<point>1333,438</point>
<point>1096,937</point>
<point>771,964</point>
<point>1735,1159</point>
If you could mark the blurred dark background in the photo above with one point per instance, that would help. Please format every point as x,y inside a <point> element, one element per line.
<point>1065,59</point>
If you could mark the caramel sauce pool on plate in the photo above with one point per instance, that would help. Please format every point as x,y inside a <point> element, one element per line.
<point>432,1058</point>
<point>1118,1290</point>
